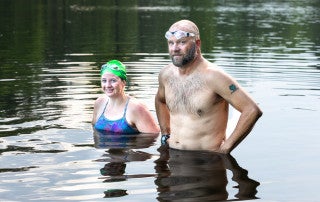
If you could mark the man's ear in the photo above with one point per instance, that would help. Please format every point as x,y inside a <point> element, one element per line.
<point>198,42</point>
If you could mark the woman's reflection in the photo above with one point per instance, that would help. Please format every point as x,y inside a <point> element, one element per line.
<point>120,149</point>
<point>200,176</point>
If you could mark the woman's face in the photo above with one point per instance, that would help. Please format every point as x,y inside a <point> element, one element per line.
<point>112,85</point>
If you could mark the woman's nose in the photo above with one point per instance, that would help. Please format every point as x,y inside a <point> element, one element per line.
<point>109,83</point>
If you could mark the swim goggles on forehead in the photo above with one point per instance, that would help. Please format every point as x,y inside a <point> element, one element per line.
<point>178,34</point>
<point>114,67</point>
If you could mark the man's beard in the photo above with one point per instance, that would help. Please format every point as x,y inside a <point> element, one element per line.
<point>191,54</point>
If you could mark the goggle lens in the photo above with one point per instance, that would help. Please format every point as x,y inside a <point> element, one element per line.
<point>178,34</point>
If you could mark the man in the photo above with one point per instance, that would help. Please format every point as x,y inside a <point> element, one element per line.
<point>194,95</point>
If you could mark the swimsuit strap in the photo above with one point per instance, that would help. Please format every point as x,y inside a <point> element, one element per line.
<point>105,107</point>
<point>125,109</point>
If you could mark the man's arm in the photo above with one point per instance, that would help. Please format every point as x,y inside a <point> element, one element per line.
<point>249,116</point>
<point>231,91</point>
<point>162,110</point>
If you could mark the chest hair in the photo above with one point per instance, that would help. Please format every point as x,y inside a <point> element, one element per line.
<point>184,93</point>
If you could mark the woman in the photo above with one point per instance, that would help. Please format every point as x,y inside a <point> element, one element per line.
<point>117,112</point>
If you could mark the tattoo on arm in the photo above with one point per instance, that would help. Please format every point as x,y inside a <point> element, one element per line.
<point>233,88</point>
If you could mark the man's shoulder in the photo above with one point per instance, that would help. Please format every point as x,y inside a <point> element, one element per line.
<point>210,66</point>
<point>166,70</point>
<point>212,70</point>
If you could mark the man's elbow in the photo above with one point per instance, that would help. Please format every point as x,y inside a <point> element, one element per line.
<point>159,100</point>
<point>257,112</point>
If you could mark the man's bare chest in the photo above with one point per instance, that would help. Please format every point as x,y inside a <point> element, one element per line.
<point>190,96</point>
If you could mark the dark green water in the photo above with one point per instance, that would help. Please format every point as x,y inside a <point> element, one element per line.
<point>50,54</point>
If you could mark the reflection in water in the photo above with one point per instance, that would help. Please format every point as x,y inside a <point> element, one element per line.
<point>190,175</point>
<point>115,193</point>
<point>179,175</point>
<point>50,54</point>
<point>107,140</point>
<point>120,150</point>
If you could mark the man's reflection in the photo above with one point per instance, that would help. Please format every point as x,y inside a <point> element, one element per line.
<point>200,176</point>
<point>120,149</point>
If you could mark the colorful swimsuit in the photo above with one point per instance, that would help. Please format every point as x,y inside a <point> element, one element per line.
<point>116,126</point>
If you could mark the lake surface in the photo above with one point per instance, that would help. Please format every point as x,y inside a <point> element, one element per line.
<point>50,56</point>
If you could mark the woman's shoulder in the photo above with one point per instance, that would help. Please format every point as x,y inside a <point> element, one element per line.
<point>100,100</point>
<point>135,102</point>
<point>135,105</point>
